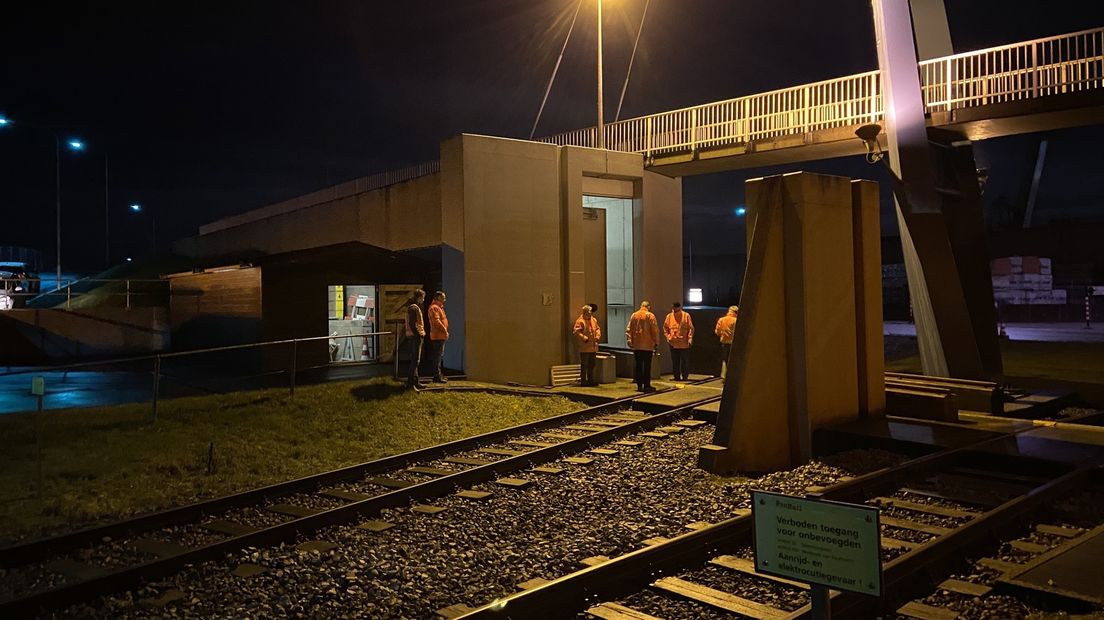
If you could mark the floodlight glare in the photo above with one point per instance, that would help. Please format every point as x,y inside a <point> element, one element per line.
<point>136,208</point>
<point>76,145</point>
<point>4,121</point>
<point>741,211</point>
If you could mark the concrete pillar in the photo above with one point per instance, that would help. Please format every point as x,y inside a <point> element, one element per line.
<point>812,284</point>
<point>933,32</point>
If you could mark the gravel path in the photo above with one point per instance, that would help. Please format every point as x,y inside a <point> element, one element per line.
<point>476,551</point>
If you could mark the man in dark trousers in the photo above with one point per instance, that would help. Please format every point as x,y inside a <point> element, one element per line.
<point>587,334</point>
<point>415,334</point>
<point>642,335</point>
<point>438,335</point>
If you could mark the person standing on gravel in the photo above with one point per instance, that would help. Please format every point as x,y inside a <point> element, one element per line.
<point>587,334</point>
<point>438,335</point>
<point>725,329</point>
<point>678,328</point>
<point>642,335</point>
<point>415,333</point>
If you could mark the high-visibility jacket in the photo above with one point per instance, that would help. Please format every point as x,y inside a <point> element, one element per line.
<point>642,332</point>
<point>438,322</point>
<point>679,329</point>
<point>587,334</point>
<point>726,327</point>
<point>414,323</point>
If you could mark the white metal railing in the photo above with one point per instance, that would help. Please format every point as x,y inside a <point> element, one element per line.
<point>15,292</point>
<point>1061,64</point>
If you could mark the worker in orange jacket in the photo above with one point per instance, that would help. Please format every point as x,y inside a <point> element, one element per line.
<point>587,335</point>
<point>725,329</point>
<point>438,334</point>
<point>642,335</point>
<point>679,331</point>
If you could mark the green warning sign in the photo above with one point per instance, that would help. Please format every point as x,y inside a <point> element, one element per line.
<point>820,542</point>
<point>38,386</point>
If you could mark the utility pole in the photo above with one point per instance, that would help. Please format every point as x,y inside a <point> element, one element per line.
<point>601,115</point>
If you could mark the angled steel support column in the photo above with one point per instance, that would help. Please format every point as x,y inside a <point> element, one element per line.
<point>949,342</point>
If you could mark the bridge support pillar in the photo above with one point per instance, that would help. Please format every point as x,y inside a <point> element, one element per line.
<point>807,351</point>
<point>938,214</point>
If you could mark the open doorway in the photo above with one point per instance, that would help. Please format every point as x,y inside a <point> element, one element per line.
<point>614,285</point>
<point>353,311</point>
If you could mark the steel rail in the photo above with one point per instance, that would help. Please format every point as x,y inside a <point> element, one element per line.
<point>634,571</point>
<point>25,552</point>
<point>68,594</point>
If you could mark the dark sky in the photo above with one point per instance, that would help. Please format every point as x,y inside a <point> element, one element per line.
<point>212,108</point>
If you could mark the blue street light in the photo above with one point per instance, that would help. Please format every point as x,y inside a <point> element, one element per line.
<point>136,208</point>
<point>76,145</point>
<point>741,211</point>
<point>4,121</point>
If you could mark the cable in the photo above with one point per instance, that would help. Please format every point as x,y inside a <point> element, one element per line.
<point>555,71</point>
<point>625,87</point>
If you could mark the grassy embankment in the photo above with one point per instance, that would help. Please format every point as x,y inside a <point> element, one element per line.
<point>102,463</point>
<point>1081,362</point>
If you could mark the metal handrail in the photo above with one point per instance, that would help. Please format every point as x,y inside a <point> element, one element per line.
<point>1058,64</point>
<point>172,354</point>
<point>67,288</point>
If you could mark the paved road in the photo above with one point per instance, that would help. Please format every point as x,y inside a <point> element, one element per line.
<point>1044,332</point>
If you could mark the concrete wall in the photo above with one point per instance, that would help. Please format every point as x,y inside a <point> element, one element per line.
<point>511,258</point>
<point>402,216</point>
<point>92,332</point>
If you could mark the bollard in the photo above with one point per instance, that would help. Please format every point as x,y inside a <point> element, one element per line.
<point>156,387</point>
<point>294,357</point>
<point>128,294</point>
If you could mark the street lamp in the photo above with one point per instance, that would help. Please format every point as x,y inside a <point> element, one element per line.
<point>137,208</point>
<point>601,122</point>
<point>72,144</point>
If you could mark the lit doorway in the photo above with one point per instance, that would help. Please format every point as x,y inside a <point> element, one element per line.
<point>617,303</point>
<point>352,312</point>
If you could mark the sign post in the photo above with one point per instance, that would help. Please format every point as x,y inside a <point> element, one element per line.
<point>38,389</point>
<point>822,543</point>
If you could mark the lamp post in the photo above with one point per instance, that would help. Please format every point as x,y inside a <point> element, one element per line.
<point>73,145</point>
<point>137,208</point>
<point>601,122</point>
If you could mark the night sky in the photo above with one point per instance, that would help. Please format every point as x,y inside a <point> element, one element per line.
<point>207,109</point>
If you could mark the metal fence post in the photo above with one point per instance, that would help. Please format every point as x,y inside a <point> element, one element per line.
<point>68,294</point>
<point>156,386</point>
<point>294,357</point>
<point>128,294</point>
<point>38,447</point>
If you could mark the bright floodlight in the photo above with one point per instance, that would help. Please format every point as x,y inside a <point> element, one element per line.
<point>741,211</point>
<point>136,208</point>
<point>130,260</point>
<point>76,145</point>
<point>694,296</point>
<point>4,121</point>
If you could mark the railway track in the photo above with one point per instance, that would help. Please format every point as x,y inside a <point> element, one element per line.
<point>937,510</point>
<point>56,572</point>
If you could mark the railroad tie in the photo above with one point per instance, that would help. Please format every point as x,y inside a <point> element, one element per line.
<point>747,567</point>
<point>921,611</point>
<point>613,611</point>
<point>964,587</point>
<point>454,611</point>
<point>230,528</point>
<point>941,511</point>
<point>718,599</point>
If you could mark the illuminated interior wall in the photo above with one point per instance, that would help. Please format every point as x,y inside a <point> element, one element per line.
<point>619,301</point>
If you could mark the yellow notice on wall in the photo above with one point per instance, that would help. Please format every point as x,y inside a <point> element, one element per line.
<point>339,302</point>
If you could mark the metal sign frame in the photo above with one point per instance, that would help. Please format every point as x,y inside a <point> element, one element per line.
<point>872,514</point>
